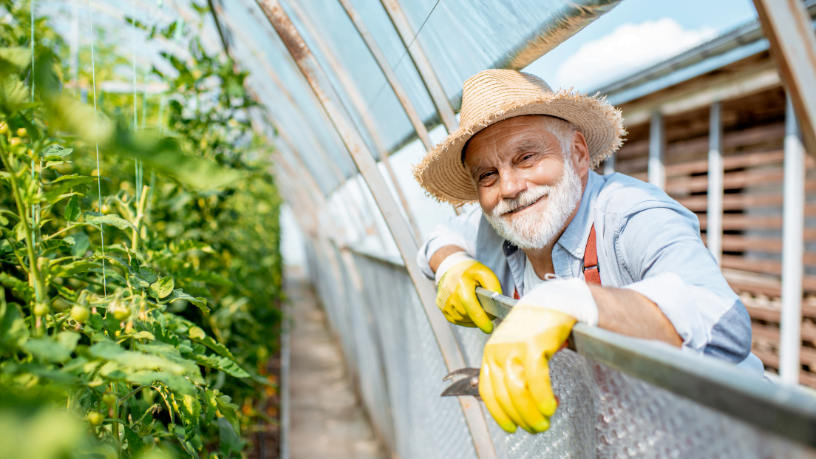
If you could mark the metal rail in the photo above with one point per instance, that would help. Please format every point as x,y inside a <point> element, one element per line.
<point>783,410</point>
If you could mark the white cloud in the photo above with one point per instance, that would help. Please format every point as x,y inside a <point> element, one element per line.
<point>630,47</point>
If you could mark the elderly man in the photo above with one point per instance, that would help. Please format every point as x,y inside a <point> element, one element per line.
<point>608,251</point>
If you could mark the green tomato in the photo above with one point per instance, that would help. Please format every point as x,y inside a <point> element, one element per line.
<point>40,309</point>
<point>109,399</point>
<point>95,418</point>
<point>3,127</point>
<point>119,310</point>
<point>80,313</point>
<point>21,132</point>
<point>60,304</point>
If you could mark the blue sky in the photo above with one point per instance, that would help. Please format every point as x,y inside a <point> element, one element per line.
<point>635,34</point>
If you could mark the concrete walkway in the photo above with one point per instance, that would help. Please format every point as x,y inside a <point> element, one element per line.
<point>326,418</point>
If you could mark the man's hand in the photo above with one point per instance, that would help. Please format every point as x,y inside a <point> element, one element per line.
<point>515,378</point>
<point>458,276</point>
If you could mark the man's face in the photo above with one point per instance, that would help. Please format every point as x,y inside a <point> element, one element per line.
<point>526,187</point>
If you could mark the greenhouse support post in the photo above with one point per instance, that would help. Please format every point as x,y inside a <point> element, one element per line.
<point>714,212</point>
<point>449,348</point>
<point>790,327</point>
<point>360,105</point>
<point>390,76</point>
<point>657,151</point>
<point>393,80</point>
<point>423,65</point>
<point>787,25</point>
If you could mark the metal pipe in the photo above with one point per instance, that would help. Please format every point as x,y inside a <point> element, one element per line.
<point>221,33</point>
<point>390,76</point>
<point>448,346</point>
<point>704,380</point>
<point>657,151</point>
<point>423,65</point>
<point>714,213</point>
<point>790,326</point>
<point>788,27</point>
<point>360,105</point>
<point>609,165</point>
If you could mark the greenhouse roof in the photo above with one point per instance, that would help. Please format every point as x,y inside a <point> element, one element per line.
<point>457,38</point>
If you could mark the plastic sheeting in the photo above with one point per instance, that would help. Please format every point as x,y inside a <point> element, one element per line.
<point>389,346</point>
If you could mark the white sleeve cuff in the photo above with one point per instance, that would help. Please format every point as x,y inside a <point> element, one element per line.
<point>570,296</point>
<point>453,259</point>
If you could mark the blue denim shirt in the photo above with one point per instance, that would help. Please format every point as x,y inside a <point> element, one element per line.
<point>646,241</point>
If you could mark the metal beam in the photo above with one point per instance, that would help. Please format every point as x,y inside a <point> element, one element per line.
<point>787,26</point>
<point>792,249</point>
<point>714,213</point>
<point>360,105</point>
<point>449,348</point>
<point>657,151</point>
<point>423,65</point>
<point>710,382</point>
<point>390,76</point>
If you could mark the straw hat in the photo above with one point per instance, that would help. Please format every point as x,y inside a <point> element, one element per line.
<point>495,95</point>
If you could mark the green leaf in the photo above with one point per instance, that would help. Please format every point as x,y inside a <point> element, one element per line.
<point>210,406</point>
<point>176,383</point>
<point>64,185</point>
<point>230,441</point>
<point>80,243</point>
<point>148,274</point>
<point>50,349</point>
<point>75,267</point>
<point>134,442</point>
<point>200,302</point>
<point>13,330</point>
<point>162,287</point>
<point>12,60</point>
<point>72,211</point>
<point>228,410</point>
<point>188,407</point>
<point>57,150</point>
<point>215,345</point>
<point>109,219</point>
<point>20,288</point>
<point>224,364</point>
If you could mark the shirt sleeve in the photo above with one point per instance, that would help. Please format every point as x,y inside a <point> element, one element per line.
<point>461,231</point>
<point>662,250</point>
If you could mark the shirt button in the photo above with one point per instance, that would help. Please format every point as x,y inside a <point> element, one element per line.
<point>579,251</point>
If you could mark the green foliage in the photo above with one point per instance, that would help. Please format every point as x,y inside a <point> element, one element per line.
<point>142,345</point>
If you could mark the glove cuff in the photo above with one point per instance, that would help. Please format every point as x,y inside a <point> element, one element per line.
<point>448,263</point>
<point>570,296</point>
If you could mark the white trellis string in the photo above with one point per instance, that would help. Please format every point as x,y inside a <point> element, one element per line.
<point>98,169</point>
<point>138,178</point>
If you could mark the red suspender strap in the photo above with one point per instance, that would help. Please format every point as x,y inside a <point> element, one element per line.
<point>591,273</point>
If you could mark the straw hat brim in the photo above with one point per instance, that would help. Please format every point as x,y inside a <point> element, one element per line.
<point>443,175</point>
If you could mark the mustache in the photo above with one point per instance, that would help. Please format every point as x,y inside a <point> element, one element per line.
<point>526,198</point>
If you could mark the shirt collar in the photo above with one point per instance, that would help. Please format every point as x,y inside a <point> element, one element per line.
<point>574,238</point>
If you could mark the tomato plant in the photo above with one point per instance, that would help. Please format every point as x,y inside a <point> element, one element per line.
<point>134,321</point>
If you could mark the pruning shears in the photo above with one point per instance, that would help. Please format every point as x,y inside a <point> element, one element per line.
<point>466,382</point>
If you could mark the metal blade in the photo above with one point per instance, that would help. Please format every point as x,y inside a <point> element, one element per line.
<point>462,372</point>
<point>467,385</point>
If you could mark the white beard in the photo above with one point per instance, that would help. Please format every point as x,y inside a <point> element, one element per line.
<point>537,229</point>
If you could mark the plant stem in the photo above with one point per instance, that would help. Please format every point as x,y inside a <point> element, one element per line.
<point>22,211</point>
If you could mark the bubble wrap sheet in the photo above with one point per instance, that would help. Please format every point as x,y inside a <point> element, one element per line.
<point>397,366</point>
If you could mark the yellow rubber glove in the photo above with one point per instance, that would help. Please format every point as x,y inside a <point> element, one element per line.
<point>458,276</point>
<point>514,382</point>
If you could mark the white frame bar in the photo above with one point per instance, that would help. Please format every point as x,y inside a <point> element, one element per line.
<point>790,327</point>
<point>657,151</point>
<point>714,212</point>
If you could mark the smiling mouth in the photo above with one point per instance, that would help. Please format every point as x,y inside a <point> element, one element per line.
<point>519,209</point>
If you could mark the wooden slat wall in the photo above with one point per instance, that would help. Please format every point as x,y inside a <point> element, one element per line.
<point>752,222</point>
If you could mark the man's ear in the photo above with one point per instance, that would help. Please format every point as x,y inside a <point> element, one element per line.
<point>580,154</point>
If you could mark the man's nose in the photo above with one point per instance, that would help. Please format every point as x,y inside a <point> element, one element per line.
<point>511,184</point>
